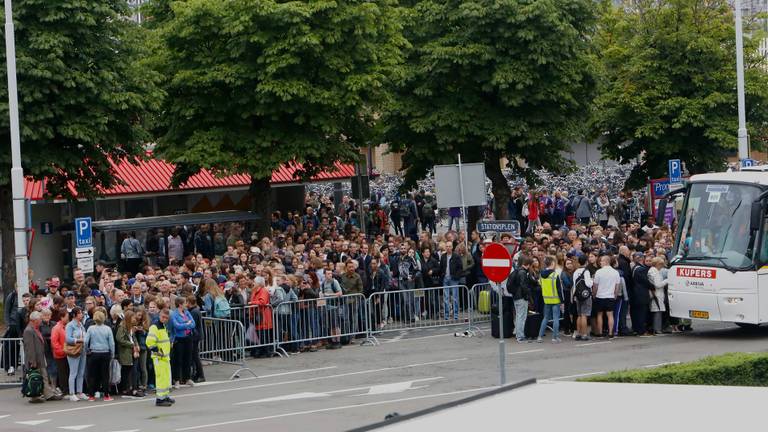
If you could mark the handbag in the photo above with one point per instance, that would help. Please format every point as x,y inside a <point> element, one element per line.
<point>73,350</point>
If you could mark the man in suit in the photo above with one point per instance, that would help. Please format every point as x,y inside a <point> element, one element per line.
<point>451,270</point>
<point>34,353</point>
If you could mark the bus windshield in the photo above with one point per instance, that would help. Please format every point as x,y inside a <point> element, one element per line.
<point>715,226</point>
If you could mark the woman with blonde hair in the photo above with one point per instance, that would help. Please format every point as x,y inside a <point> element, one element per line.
<point>100,346</point>
<point>126,348</point>
<point>658,288</point>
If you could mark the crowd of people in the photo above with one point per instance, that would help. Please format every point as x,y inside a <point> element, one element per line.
<point>137,327</point>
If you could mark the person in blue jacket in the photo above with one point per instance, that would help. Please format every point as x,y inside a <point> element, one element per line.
<point>181,351</point>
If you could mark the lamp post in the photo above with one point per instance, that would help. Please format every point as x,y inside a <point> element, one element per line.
<point>17,173</point>
<point>742,132</point>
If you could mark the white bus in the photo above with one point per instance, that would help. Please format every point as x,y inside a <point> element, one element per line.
<point>720,267</point>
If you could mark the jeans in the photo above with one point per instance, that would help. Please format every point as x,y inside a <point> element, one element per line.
<point>551,311</point>
<point>521,313</point>
<point>451,220</point>
<point>451,289</point>
<point>76,373</point>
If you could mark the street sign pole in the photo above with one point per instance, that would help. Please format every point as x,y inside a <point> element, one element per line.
<point>497,265</point>
<point>463,208</point>
<point>17,172</point>
<point>743,137</point>
<point>502,339</point>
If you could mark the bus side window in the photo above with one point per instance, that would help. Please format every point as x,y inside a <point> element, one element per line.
<point>763,258</point>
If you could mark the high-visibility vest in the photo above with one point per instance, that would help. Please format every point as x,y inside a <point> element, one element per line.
<point>549,289</point>
<point>159,337</point>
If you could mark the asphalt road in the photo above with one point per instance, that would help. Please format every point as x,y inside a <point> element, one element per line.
<point>355,386</point>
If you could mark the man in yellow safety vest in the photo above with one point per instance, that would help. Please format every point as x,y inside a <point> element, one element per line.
<point>159,344</point>
<point>552,291</point>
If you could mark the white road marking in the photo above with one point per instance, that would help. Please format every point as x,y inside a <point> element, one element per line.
<point>525,352</point>
<point>592,344</point>
<point>576,376</point>
<point>660,364</point>
<point>305,395</point>
<point>76,428</point>
<point>32,422</point>
<point>372,390</point>
<point>227,390</point>
<point>401,339</point>
<point>207,383</point>
<point>4,416</point>
<point>298,413</point>
<point>129,430</point>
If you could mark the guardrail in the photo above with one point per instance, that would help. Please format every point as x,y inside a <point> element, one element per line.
<point>223,341</point>
<point>419,308</point>
<point>303,324</point>
<point>11,356</point>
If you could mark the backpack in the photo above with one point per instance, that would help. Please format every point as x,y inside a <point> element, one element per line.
<point>428,210</point>
<point>221,308</point>
<point>405,210</point>
<point>33,384</point>
<point>583,292</point>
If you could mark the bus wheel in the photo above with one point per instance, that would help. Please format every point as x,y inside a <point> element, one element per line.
<point>747,326</point>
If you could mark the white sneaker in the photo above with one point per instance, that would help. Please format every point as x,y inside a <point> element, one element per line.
<point>11,370</point>
<point>82,396</point>
<point>97,395</point>
<point>416,319</point>
<point>177,386</point>
<point>73,398</point>
<point>190,383</point>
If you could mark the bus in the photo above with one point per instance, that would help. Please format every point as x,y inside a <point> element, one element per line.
<point>719,269</point>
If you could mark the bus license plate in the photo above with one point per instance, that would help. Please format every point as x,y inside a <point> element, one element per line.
<point>698,314</point>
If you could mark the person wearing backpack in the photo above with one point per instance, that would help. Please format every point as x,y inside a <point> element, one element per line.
<point>394,216</point>
<point>518,286</point>
<point>34,355</point>
<point>582,296</point>
<point>428,212</point>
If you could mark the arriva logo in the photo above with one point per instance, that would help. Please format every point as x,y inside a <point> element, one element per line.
<point>695,272</point>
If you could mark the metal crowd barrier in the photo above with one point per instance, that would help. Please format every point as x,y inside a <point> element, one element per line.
<point>11,356</point>
<point>260,331</point>
<point>482,302</point>
<point>223,341</point>
<point>305,324</point>
<point>419,308</point>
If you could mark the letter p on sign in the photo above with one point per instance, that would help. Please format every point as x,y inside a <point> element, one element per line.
<point>83,232</point>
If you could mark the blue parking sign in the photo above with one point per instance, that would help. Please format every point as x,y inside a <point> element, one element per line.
<point>675,171</point>
<point>747,163</point>
<point>83,232</point>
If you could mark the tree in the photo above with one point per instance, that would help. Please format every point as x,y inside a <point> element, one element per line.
<point>493,79</point>
<point>84,97</point>
<point>669,85</point>
<point>255,84</point>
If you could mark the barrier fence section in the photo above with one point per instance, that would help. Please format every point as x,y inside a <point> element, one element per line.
<point>223,341</point>
<point>306,324</point>
<point>420,308</point>
<point>483,300</point>
<point>11,356</point>
<point>260,331</point>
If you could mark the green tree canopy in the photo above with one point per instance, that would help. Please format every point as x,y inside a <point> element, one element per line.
<point>84,96</point>
<point>669,85</point>
<point>492,79</point>
<point>254,84</point>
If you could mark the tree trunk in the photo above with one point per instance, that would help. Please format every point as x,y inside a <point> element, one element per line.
<point>499,185</point>
<point>261,204</point>
<point>6,238</point>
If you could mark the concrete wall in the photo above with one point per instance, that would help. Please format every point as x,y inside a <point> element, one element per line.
<point>47,251</point>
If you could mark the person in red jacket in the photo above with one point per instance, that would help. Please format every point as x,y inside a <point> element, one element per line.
<point>533,212</point>
<point>58,339</point>
<point>259,331</point>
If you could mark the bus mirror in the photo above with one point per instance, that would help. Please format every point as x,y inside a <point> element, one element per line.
<point>661,210</point>
<point>756,215</point>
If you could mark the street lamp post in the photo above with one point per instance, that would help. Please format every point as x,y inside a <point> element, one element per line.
<point>17,173</point>
<point>742,132</point>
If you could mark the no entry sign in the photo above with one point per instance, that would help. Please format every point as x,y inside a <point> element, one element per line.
<point>497,264</point>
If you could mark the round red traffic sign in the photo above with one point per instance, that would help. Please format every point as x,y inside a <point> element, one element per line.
<point>497,264</point>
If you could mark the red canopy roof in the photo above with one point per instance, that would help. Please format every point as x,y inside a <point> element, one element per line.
<point>154,175</point>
